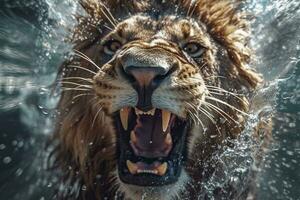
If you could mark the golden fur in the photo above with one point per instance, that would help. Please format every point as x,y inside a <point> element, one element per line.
<point>85,138</point>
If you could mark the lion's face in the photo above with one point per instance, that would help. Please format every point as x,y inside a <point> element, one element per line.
<point>150,85</point>
<point>153,106</point>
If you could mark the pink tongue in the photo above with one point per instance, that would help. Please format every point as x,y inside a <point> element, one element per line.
<point>150,136</point>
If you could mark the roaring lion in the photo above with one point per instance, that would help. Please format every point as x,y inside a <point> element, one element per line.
<point>154,90</point>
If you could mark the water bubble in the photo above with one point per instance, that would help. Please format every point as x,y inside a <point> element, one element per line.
<point>7,160</point>
<point>2,146</point>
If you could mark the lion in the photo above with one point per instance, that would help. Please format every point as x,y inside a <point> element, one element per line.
<point>154,90</point>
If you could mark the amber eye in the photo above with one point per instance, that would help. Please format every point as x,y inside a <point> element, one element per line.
<point>112,46</point>
<point>193,49</point>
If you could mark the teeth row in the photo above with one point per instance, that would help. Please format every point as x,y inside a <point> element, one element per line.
<point>124,112</point>
<point>139,112</point>
<point>160,170</point>
<point>139,171</point>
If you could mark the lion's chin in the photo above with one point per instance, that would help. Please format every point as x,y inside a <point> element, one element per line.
<point>166,192</point>
<point>151,147</point>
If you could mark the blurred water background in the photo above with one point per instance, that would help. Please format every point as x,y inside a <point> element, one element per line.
<point>32,47</point>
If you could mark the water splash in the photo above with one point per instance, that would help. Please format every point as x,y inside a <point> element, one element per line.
<point>29,59</point>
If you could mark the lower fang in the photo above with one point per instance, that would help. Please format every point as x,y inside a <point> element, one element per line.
<point>162,169</point>
<point>131,167</point>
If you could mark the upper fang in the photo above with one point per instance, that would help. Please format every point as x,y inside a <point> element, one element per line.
<point>165,119</point>
<point>124,117</point>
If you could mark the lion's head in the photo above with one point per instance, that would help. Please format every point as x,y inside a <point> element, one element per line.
<point>153,90</point>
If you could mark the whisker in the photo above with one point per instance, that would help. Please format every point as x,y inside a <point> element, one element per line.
<point>79,78</point>
<point>96,116</point>
<point>111,20</point>
<point>200,122</point>
<point>80,95</point>
<point>194,7</point>
<point>222,94</point>
<point>192,116</point>
<point>74,89</point>
<point>220,111</point>
<point>82,55</point>
<point>218,89</point>
<point>230,106</point>
<point>214,109</point>
<point>109,28</point>
<point>108,11</point>
<point>74,66</point>
<point>196,115</point>
<point>188,11</point>
<point>212,121</point>
<point>207,114</point>
<point>73,83</point>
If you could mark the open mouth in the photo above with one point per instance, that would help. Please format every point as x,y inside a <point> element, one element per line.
<point>151,146</point>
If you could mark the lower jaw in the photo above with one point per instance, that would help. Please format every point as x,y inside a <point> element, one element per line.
<point>144,179</point>
<point>175,162</point>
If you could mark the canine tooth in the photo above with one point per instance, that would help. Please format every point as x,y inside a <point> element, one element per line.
<point>162,169</point>
<point>133,137</point>
<point>124,117</point>
<point>165,119</point>
<point>131,167</point>
<point>168,139</point>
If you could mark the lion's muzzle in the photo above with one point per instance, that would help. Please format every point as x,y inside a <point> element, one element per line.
<point>146,68</point>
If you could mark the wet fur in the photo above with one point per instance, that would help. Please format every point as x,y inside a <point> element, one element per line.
<point>85,140</point>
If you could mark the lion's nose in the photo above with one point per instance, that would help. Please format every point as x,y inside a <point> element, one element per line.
<point>145,80</point>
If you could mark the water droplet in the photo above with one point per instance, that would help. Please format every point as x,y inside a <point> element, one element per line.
<point>83,188</point>
<point>19,172</point>
<point>7,160</point>
<point>2,146</point>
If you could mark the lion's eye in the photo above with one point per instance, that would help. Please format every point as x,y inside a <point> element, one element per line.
<point>112,46</point>
<point>193,49</point>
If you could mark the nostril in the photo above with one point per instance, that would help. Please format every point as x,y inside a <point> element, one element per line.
<point>144,76</point>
